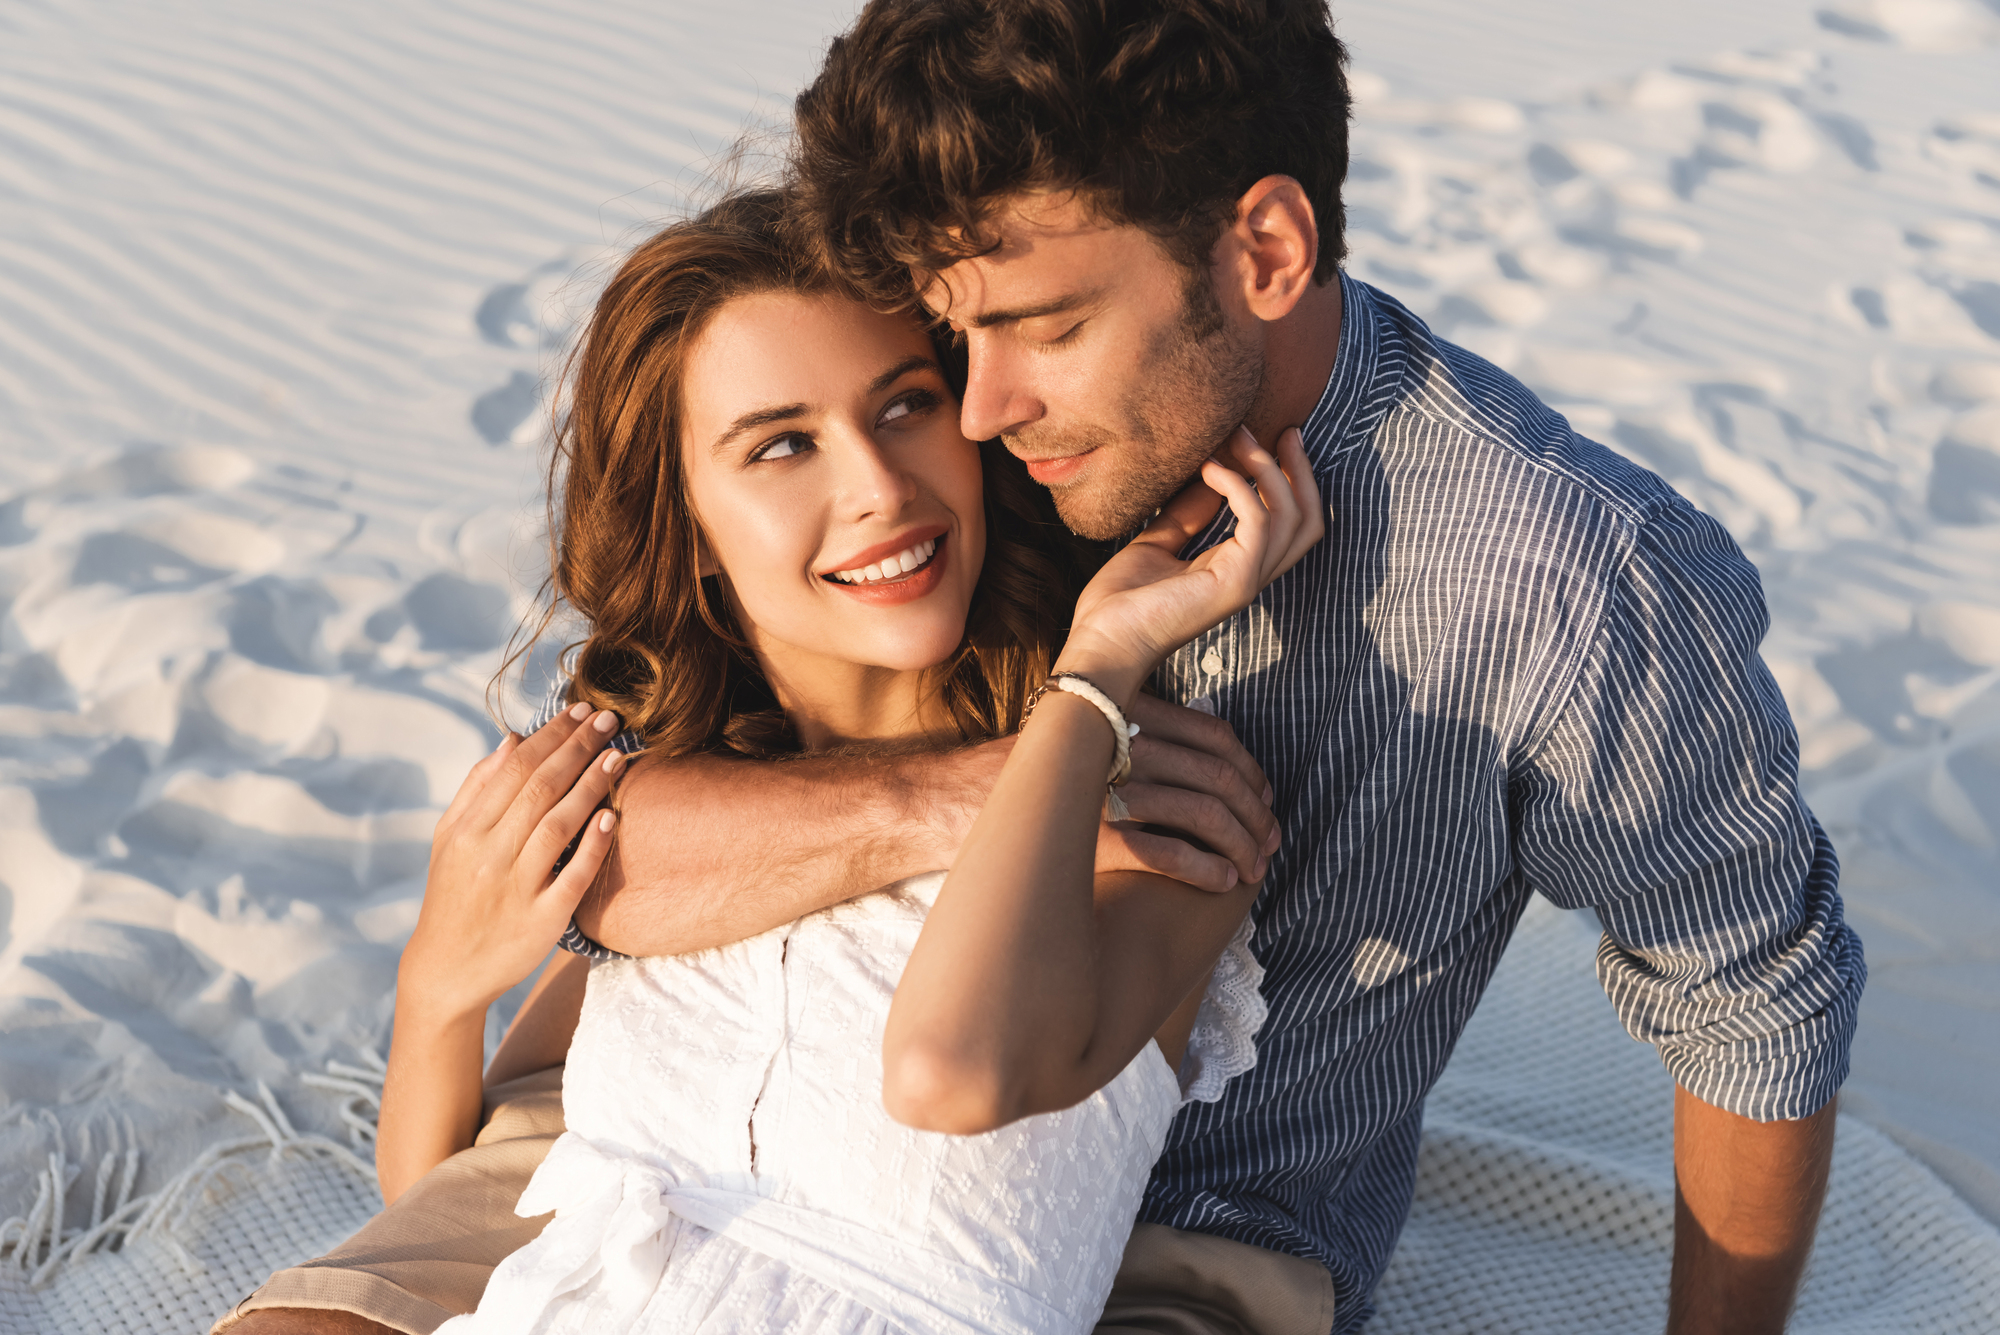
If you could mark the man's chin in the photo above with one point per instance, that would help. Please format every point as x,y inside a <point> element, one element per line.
<point>1089,513</point>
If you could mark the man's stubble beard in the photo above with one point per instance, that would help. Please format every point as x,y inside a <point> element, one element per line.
<point>1202,384</point>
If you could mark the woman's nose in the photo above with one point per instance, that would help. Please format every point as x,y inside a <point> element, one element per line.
<point>872,483</point>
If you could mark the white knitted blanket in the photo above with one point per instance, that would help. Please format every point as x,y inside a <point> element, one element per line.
<point>1544,1200</point>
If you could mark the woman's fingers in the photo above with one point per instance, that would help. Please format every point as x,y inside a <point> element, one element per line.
<point>552,780</point>
<point>555,828</point>
<point>569,888</point>
<point>1305,491</point>
<point>1181,518</point>
<point>1276,491</point>
<point>476,780</point>
<point>496,797</point>
<point>1253,531</point>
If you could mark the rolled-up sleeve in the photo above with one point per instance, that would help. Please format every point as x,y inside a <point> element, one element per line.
<point>1665,796</point>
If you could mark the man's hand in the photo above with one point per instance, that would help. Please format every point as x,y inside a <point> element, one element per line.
<point>1190,774</point>
<point>1746,1202</point>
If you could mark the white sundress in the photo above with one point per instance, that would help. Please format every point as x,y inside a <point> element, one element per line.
<point>728,1166</point>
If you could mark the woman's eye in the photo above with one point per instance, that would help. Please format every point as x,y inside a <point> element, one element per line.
<point>783,447</point>
<point>907,406</point>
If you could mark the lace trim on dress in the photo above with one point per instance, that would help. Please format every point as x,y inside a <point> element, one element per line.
<point>1224,1042</point>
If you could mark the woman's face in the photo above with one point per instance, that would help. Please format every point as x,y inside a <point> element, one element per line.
<point>839,500</point>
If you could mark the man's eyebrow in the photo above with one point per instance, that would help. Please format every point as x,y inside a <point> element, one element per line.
<point>1069,301</point>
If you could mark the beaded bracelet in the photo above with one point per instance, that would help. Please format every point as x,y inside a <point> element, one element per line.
<point>1122,733</point>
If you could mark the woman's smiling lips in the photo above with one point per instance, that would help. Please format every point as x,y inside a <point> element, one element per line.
<point>883,588</point>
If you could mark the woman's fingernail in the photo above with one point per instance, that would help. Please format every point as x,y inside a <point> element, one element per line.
<point>1263,865</point>
<point>612,760</point>
<point>605,820</point>
<point>579,711</point>
<point>1271,844</point>
<point>1269,796</point>
<point>606,721</point>
<point>1233,878</point>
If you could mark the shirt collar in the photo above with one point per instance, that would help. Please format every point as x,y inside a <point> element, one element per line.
<point>1359,390</point>
<point>1363,382</point>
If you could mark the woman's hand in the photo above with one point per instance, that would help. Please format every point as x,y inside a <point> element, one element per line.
<point>1146,602</point>
<point>493,905</point>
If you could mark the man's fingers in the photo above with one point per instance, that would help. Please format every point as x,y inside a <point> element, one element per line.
<point>1124,848</point>
<point>1205,819</point>
<point>1178,726</point>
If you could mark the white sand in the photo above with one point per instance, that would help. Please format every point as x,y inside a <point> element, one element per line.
<point>278,284</point>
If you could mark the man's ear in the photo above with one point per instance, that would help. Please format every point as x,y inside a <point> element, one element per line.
<point>1269,252</point>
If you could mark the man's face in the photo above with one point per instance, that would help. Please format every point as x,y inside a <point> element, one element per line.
<point>1104,365</point>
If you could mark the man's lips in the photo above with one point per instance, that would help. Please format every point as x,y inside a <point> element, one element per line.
<point>1056,471</point>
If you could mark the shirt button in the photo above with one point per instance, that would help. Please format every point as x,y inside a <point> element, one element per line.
<point>1202,704</point>
<point>1211,663</point>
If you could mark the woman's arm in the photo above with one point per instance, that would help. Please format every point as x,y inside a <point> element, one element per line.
<point>1035,981</point>
<point>542,1029</point>
<point>492,910</point>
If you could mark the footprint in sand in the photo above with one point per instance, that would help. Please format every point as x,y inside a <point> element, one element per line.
<point>1918,25</point>
<point>533,314</point>
<point>499,415</point>
<point>143,470</point>
<point>1965,468</point>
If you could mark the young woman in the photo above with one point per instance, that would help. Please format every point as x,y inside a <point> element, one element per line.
<point>933,1108</point>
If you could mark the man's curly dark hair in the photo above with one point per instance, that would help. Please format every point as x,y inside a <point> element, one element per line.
<point>1160,113</point>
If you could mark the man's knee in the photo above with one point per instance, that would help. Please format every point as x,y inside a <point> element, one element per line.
<point>307,1321</point>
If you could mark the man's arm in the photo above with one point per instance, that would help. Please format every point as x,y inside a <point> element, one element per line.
<point>1746,1202</point>
<point>712,850</point>
<point>1666,798</point>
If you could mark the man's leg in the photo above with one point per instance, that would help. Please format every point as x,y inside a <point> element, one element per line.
<point>1175,1283</point>
<point>426,1258</point>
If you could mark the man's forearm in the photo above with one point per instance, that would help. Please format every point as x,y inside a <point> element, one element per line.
<point>1746,1202</point>
<point>714,850</point>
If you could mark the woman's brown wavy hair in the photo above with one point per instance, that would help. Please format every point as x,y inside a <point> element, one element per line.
<point>664,651</point>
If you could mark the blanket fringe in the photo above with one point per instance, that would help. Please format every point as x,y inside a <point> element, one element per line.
<point>38,1243</point>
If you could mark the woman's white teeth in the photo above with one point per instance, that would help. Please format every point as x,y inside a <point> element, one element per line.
<point>894,567</point>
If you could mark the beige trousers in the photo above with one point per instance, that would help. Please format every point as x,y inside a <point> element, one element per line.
<point>427,1257</point>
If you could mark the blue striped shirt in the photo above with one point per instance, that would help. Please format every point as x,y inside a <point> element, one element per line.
<point>1517,663</point>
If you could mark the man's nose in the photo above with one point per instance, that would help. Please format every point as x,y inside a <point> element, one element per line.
<point>998,400</point>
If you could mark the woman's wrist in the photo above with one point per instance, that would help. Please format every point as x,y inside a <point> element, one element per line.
<point>438,1009</point>
<point>1108,669</point>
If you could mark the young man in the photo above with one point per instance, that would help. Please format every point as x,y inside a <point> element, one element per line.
<point>1516,664</point>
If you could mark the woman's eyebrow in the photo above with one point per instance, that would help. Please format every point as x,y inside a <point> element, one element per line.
<point>913,362</point>
<point>750,421</point>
